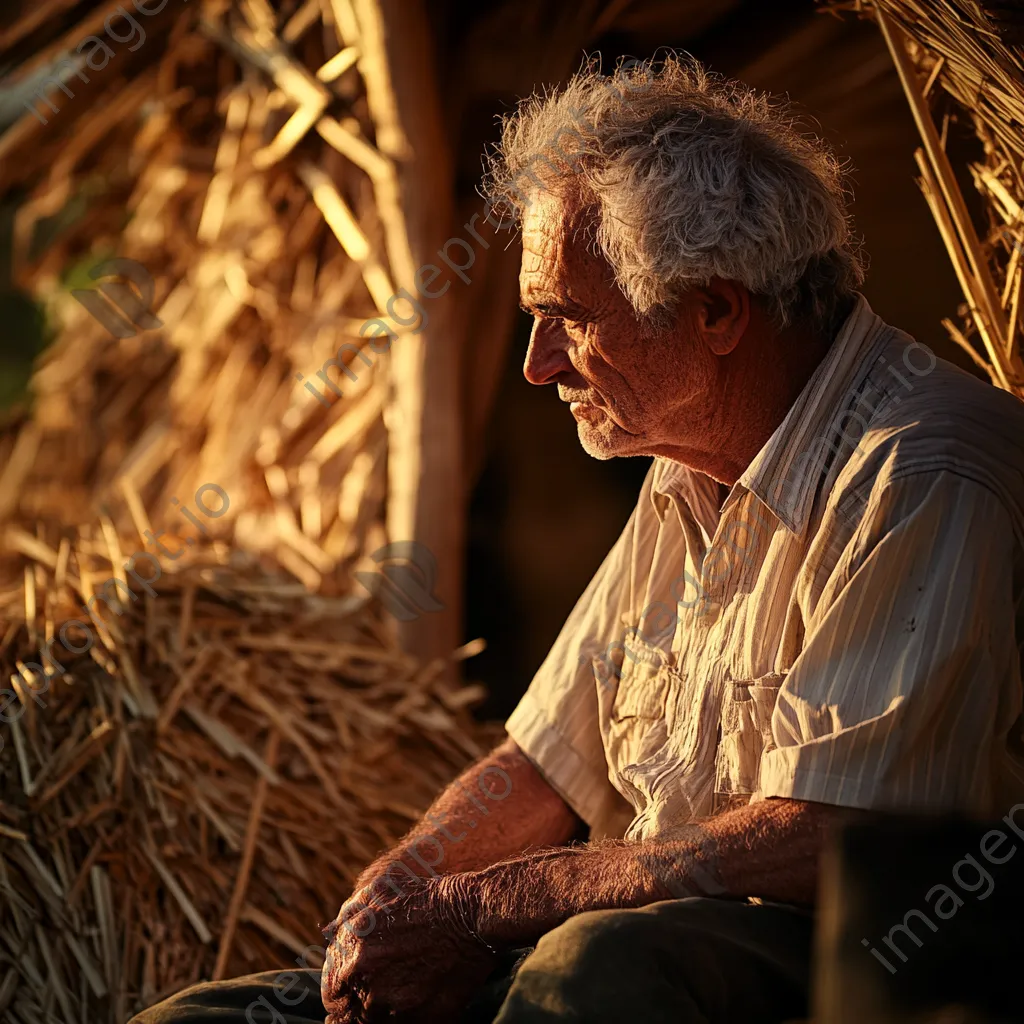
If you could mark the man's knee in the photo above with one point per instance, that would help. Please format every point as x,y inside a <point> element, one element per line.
<point>599,940</point>
<point>261,1009</point>
<point>627,941</point>
<point>594,965</point>
<point>272,997</point>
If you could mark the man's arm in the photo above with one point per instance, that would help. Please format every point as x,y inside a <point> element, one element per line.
<point>768,849</point>
<point>439,938</point>
<point>499,807</point>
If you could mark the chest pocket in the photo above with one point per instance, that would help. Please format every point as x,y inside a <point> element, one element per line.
<point>747,707</point>
<point>637,722</point>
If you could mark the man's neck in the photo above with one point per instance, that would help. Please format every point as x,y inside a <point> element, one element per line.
<point>760,381</point>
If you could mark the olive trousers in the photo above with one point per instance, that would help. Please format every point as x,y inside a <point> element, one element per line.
<point>687,961</point>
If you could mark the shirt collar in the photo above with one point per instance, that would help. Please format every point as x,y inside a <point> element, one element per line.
<point>785,473</point>
<point>677,485</point>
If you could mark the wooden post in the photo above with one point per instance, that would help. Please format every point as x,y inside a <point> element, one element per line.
<point>426,501</point>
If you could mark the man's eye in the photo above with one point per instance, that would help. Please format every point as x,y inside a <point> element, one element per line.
<point>567,322</point>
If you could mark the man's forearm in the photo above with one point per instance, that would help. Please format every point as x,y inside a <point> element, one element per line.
<point>497,808</point>
<point>769,849</point>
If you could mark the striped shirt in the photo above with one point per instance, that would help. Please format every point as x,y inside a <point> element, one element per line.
<point>841,625</point>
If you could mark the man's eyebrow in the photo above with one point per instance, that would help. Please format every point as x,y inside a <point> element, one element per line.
<point>545,305</point>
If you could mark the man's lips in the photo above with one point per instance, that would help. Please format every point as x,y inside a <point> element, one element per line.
<point>579,399</point>
<point>584,410</point>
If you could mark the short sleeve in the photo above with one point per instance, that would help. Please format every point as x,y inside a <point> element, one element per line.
<point>557,724</point>
<point>909,674</point>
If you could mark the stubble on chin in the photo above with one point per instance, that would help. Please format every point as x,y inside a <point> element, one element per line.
<point>605,439</point>
<point>595,446</point>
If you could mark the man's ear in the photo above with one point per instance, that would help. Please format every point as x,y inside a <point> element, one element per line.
<point>723,314</point>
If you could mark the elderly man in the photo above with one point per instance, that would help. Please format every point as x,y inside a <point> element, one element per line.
<point>810,613</point>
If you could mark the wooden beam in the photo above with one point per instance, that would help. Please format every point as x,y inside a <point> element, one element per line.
<point>424,416</point>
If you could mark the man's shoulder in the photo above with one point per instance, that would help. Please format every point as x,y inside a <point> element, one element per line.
<point>920,415</point>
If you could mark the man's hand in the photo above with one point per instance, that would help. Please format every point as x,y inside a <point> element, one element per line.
<point>402,942</point>
<point>411,957</point>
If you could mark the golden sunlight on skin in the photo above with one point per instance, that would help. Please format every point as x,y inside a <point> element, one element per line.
<point>585,338</point>
<point>707,389</point>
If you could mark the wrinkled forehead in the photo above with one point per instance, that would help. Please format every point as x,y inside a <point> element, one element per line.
<point>544,226</point>
<point>555,242</point>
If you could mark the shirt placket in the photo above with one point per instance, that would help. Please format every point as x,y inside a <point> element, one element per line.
<point>722,570</point>
<point>694,624</point>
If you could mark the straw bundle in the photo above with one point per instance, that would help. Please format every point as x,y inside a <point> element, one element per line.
<point>959,59</point>
<point>195,799</point>
<point>253,286</point>
<point>193,794</point>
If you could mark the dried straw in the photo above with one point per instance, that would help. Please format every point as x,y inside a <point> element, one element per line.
<point>961,59</point>
<point>194,795</point>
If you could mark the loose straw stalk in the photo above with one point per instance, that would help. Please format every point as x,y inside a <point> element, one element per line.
<point>970,52</point>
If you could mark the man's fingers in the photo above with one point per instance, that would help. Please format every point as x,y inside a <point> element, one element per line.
<point>377,1011</point>
<point>335,979</point>
<point>345,1004</point>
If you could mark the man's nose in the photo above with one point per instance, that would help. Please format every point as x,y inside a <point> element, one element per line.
<point>547,357</point>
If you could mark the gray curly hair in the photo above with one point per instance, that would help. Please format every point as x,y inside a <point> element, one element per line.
<point>689,176</point>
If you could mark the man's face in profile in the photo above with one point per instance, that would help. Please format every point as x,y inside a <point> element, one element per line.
<point>632,386</point>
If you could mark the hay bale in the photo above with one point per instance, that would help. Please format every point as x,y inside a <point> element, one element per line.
<point>196,793</point>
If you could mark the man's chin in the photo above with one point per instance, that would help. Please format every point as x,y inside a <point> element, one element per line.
<point>607,440</point>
